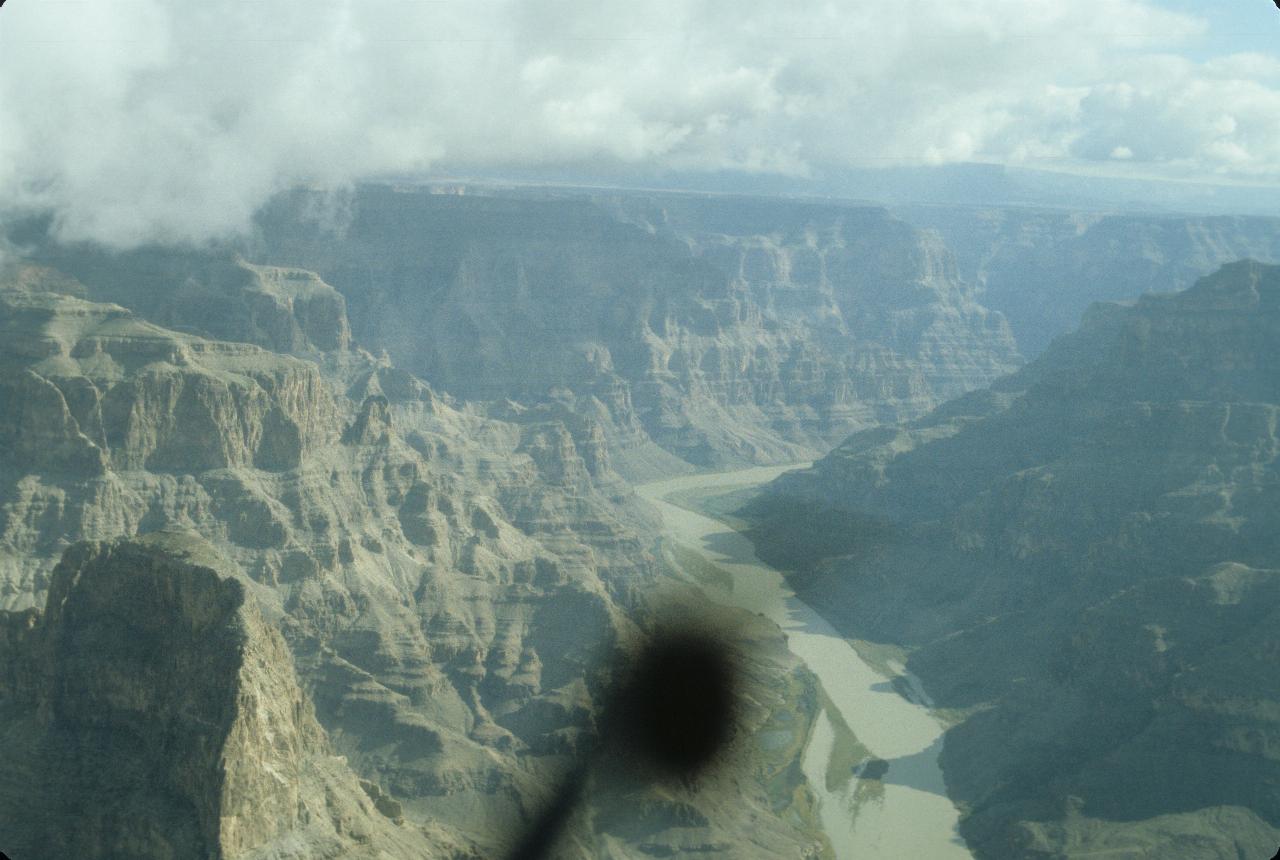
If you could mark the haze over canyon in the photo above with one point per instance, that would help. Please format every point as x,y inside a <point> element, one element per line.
<point>326,541</point>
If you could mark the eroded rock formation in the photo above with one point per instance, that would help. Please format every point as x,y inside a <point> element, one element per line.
<point>726,331</point>
<point>455,588</point>
<point>151,712</point>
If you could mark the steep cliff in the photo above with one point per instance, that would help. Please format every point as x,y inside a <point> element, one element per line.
<point>114,410</point>
<point>1042,268</point>
<point>215,293</point>
<point>724,330</point>
<point>1082,563</point>
<point>151,712</point>
<point>455,588</point>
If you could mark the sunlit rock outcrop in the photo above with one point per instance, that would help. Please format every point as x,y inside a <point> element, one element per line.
<point>151,712</point>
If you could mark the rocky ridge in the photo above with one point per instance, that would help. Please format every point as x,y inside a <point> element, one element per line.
<point>150,711</point>
<point>1094,535</point>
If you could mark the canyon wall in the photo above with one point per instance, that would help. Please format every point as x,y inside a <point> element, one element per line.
<point>1080,563</point>
<point>151,712</point>
<point>457,589</point>
<point>697,330</point>
<point>1042,268</point>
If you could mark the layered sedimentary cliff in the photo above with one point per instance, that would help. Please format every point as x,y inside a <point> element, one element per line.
<point>455,588</point>
<point>1081,563</point>
<point>1042,268</point>
<point>696,331</point>
<point>217,295</point>
<point>149,711</point>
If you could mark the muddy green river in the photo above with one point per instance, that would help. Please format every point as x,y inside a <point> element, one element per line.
<point>906,812</point>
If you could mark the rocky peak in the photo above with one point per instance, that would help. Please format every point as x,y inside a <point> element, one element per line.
<point>1218,340</point>
<point>164,719</point>
<point>1240,286</point>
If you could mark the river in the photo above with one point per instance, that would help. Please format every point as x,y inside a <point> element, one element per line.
<point>908,813</point>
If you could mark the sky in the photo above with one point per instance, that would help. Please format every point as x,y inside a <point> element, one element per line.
<point>1232,26</point>
<point>167,120</point>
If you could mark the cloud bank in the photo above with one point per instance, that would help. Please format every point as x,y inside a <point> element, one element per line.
<point>144,120</point>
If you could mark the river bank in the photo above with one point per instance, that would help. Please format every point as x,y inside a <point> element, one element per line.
<point>873,758</point>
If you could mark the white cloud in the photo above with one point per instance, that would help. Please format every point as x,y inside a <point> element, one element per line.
<point>161,119</point>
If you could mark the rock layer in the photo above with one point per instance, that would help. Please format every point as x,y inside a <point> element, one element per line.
<point>725,331</point>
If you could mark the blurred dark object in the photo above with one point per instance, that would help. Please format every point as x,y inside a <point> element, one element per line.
<point>675,712</point>
<point>540,838</point>
<point>670,717</point>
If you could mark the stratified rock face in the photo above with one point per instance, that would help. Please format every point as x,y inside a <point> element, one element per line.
<point>454,588</point>
<point>158,716</point>
<point>91,387</point>
<point>214,294</point>
<point>1042,268</point>
<point>726,331</point>
<point>1086,556</point>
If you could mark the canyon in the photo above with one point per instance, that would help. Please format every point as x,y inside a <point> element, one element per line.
<point>1042,268</point>
<point>1078,563</point>
<point>455,590</point>
<point>370,476</point>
